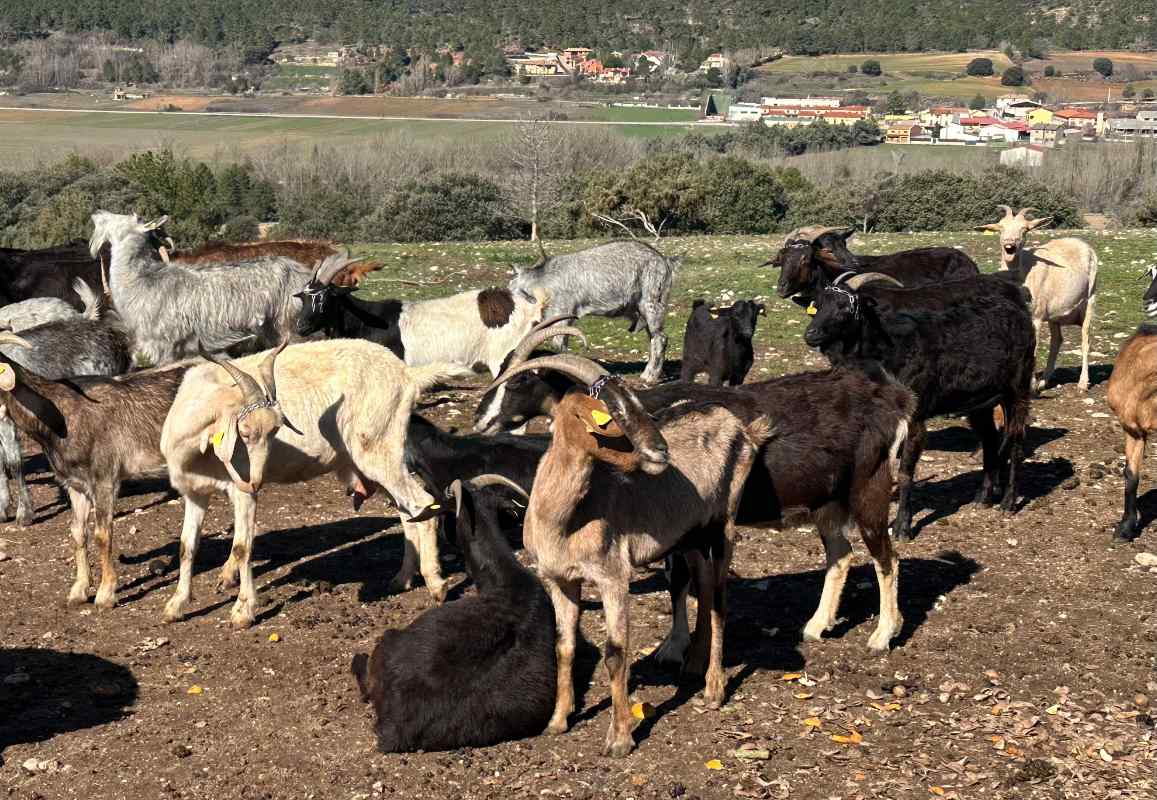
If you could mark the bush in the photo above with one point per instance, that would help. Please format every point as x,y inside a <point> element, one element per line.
<point>1103,66</point>
<point>980,67</point>
<point>1147,95</point>
<point>978,102</point>
<point>1128,92</point>
<point>871,67</point>
<point>240,229</point>
<point>853,69</point>
<point>452,207</point>
<point>1050,71</point>
<point>1013,76</point>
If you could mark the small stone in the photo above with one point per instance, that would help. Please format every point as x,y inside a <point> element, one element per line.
<point>1141,700</point>
<point>676,790</point>
<point>1146,559</point>
<point>323,587</point>
<point>182,750</point>
<point>899,691</point>
<point>1071,483</point>
<point>3,556</point>
<point>157,567</point>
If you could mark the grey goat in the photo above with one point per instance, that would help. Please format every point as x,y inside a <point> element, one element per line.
<point>618,279</point>
<point>90,343</point>
<point>170,307</point>
<point>27,314</point>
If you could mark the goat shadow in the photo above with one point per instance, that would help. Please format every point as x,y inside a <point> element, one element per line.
<point>961,439</point>
<point>63,692</point>
<point>759,643</point>
<point>38,472</point>
<point>1063,376</point>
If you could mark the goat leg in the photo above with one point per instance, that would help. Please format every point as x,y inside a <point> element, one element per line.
<point>833,522</point>
<point>81,508</point>
<point>674,647</point>
<point>909,458</point>
<point>566,597</point>
<point>700,651</point>
<point>195,507</point>
<point>244,531</point>
<point>14,467</point>
<point>616,655</point>
<point>102,532</point>
<point>1134,456</point>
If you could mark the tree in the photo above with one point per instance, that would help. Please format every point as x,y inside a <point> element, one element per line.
<point>871,67</point>
<point>1103,66</point>
<point>980,67</point>
<point>1147,95</point>
<point>853,69</point>
<point>1050,71</point>
<point>353,81</point>
<point>896,104</point>
<point>1013,76</point>
<point>978,102</point>
<point>534,152</point>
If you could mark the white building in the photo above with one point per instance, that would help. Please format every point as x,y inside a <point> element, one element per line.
<point>745,112</point>
<point>801,102</point>
<point>1030,155</point>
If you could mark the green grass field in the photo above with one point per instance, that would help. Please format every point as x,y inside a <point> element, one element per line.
<point>292,76</point>
<point>724,268</point>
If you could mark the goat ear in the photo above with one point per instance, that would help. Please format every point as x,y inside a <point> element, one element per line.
<point>439,508</point>
<point>991,226</point>
<point>1037,223</point>
<point>222,437</point>
<point>761,309</point>
<point>7,378</point>
<point>156,223</point>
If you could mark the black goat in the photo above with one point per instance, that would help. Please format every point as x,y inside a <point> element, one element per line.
<point>963,347</point>
<point>330,309</point>
<point>812,258</point>
<point>834,435</point>
<point>718,342</point>
<point>476,671</point>
<point>50,272</point>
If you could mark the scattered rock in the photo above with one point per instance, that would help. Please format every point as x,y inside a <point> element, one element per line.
<point>899,691</point>
<point>1071,483</point>
<point>35,765</point>
<point>1141,700</point>
<point>1146,559</point>
<point>1035,769</point>
<point>182,750</point>
<point>677,790</point>
<point>3,556</point>
<point>158,567</point>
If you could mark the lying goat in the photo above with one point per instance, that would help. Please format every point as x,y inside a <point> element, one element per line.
<point>172,308</point>
<point>837,434</point>
<point>1061,276</point>
<point>617,279</point>
<point>36,311</point>
<point>814,256</point>
<point>95,433</point>
<point>1132,395</point>
<point>616,490</point>
<point>228,433</point>
<point>479,670</point>
<point>964,347</point>
<point>89,343</point>
<point>475,327</point>
<point>718,342</point>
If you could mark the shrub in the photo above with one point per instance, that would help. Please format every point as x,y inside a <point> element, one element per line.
<point>853,69</point>
<point>1128,92</point>
<point>1103,66</point>
<point>980,67</point>
<point>1050,71</point>
<point>1147,95</point>
<point>451,207</point>
<point>978,102</point>
<point>871,67</point>
<point>1013,76</point>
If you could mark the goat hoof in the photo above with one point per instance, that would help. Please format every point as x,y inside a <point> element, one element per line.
<point>437,592</point>
<point>226,583</point>
<point>400,584</point>
<point>24,519</point>
<point>241,621</point>
<point>557,727</point>
<point>78,596</point>
<point>617,747</point>
<point>106,599</point>
<point>670,652</point>
<point>814,631</point>
<point>880,641</point>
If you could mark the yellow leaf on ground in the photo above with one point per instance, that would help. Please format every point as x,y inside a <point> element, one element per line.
<point>1052,710</point>
<point>937,790</point>
<point>791,676</point>
<point>194,689</point>
<point>642,711</point>
<point>812,722</point>
<point>855,737</point>
<point>803,695</point>
<point>275,637</point>
<point>714,763</point>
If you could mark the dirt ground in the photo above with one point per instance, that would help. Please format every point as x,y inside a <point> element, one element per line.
<point>1025,667</point>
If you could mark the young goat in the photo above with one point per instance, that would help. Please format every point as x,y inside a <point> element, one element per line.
<point>479,670</point>
<point>616,490</point>
<point>718,342</point>
<point>95,433</point>
<point>475,327</point>
<point>227,433</point>
<point>1132,395</point>
<point>90,343</point>
<point>1061,276</point>
<point>173,308</point>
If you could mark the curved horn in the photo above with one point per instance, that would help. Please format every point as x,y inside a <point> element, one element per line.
<point>859,280</point>
<point>581,369</point>
<point>534,338</point>
<point>7,337</point>
<point>490,479</point>
<point>328,269</point>
<point>266,371</point>
<point>251,391</point>
<point>1024,211</point>
<point>843,276</point>
<point>1007,211</point>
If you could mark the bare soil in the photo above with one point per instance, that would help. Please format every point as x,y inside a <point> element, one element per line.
<point>1025,667</point>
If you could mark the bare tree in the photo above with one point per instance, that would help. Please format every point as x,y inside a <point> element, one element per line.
<point>535,153</point>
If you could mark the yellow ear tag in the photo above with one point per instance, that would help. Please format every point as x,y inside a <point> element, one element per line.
<point>434,506</point>
<point>218,437</point>
<point>601,418</point>
<point>3,368</point>
<point>811,310</point>
<point>714,315</point>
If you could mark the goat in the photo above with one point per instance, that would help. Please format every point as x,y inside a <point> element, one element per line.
<point>34,311</point>
<point>814,256</point>
<point>90,343</point>
<point>836,436</point>
<point>964,347</point>
<point>474,672</point>
<point>95,433</point>
<point>1132,395</point>
<point>617,490</point>
<point>718,342</point>
<point>1061,277</point>
<point>172,308</point>
<point>51,272</point>
<point>468,328</point>
<point>228,433</point>
<point>628,279</point>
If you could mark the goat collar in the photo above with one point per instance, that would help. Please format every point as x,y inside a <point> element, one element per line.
<point>249,409</point>
<point>852,298</point>
<point>597,387</point>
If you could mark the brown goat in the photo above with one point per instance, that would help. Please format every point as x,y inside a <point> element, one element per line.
<point>1133,397</point>
<point>616,490</point>
<point>304,252</point>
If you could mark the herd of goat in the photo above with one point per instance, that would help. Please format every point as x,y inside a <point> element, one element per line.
<point>626,477</point>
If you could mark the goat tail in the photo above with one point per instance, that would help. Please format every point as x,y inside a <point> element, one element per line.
<point>759,432</point>
<point>89,299</point>
<point>897,443</point>
<point>428,375</point>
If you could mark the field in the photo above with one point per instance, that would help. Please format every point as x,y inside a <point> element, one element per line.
<point>1025,668</point>
<point>942,74</point>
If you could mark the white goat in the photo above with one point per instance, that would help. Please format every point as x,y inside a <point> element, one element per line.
<point>36,311</point>
<point>1061,276</point>
<point>225,433</point>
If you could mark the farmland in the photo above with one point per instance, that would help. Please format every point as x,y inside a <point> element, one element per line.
<point>1026,643</point>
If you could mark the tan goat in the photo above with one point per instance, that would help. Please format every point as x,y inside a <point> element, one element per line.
<point>1061,276</point>
<point>1133,397</point>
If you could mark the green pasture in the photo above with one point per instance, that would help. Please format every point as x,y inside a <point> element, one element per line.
<point>723,268</point>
